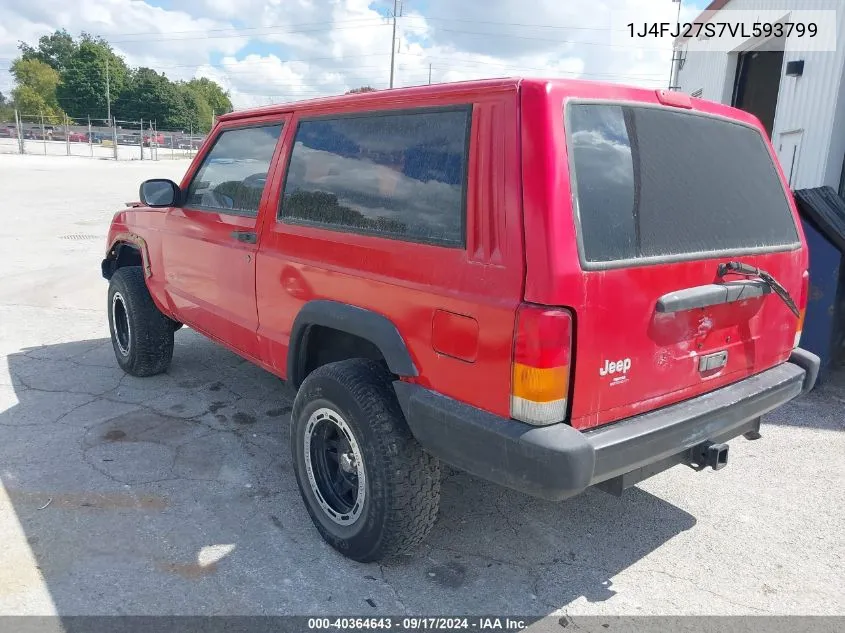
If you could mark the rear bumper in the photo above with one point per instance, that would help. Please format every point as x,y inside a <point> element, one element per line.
<point>558,461</point>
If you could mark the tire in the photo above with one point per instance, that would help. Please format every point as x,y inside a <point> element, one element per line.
<point>142,337</point>
<point>353,401</point>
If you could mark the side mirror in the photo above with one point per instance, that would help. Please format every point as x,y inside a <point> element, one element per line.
<point>160,192</point>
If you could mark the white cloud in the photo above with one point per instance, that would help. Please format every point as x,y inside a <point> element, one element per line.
<point>273,50</point>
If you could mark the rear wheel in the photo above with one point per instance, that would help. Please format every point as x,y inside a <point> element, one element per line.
<point>370,489</point>
<point>142,337</point>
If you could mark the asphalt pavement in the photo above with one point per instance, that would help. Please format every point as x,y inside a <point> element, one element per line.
<point>175,494</point>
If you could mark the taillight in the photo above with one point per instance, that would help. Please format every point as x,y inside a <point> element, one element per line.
<point>541,360</point>
<point>802,305</point>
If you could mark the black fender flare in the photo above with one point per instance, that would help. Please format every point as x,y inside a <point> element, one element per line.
<point>366,324</point>
<point>119,241</point>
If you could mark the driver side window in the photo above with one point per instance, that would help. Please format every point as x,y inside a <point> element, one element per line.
<point>232,176</point>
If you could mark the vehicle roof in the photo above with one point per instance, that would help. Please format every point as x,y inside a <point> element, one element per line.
<point>406,96</point>
<point>397,95</point>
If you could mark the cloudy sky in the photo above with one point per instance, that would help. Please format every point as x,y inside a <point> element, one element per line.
<point>267,51</point>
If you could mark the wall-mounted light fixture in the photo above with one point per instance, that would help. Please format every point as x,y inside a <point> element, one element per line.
<point>795,69</point>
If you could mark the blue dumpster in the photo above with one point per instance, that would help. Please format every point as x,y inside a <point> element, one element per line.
<point>823,218</point>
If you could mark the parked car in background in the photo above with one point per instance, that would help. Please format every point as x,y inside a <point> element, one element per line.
<point>549,284</point>
<point>8,132</point>
<point>153,139</point>
<point>77,137</point>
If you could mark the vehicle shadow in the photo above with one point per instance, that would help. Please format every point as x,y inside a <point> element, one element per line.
<point>814,409</point>
<point>174,495</point>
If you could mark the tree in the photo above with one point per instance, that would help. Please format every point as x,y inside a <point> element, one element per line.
<point>83,86</point>
<point>196,109</point>
<point>356,91</point>
<point>214,96</point>
<point>54,50</point>
<point>7,112</point>
<point>64,73</point>
<point>150,96</point>
<point>36,88</point>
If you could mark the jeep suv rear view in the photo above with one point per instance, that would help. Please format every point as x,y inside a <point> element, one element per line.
<point>662,197</point>
<point>549,284</point>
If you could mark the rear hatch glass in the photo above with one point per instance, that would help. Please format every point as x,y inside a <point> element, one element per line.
<point>655,183</point>
<point>662,197</point>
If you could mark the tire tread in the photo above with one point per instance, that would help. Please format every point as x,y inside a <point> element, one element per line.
<point>413,476</point>
<point>153,331</point>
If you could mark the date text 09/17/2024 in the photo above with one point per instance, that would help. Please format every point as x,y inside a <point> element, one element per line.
<point>706,30</point>
<point>420,623</point>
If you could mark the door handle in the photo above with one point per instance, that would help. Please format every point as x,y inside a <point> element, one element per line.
<point>248,237</point>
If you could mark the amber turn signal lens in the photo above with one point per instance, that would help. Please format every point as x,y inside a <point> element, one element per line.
<point>540,384</point>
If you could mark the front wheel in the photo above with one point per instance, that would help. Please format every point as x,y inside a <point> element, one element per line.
<point>369,487</point>
<point>142,337</point>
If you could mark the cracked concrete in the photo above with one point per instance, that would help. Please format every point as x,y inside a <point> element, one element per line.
<point>175,494</point>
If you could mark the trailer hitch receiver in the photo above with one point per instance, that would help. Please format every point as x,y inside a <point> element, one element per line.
<point>710,454</point>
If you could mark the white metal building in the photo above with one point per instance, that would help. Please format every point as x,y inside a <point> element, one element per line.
<point>798,95</point>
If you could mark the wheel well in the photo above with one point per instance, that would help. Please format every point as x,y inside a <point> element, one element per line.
<point>122,255</point>
<point>324,345</point>
<point>128,255</point>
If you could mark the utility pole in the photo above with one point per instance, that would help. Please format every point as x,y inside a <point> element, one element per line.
<point>108,92</point>
<point>43,133</point>
<point>19,130</point>
<point>676,56</point>
<point>396,9</point>
<point>429,74</point>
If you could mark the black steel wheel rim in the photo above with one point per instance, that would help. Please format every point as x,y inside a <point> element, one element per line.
<point>120,323</point>
<point>334,466</point>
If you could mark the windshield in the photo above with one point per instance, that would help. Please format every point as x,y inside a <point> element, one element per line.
<point>656,183</point>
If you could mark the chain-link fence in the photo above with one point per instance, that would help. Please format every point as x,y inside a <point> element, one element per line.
<point>95,138</point>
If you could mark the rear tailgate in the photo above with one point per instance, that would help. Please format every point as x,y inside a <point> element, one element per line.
<point>661,196</point>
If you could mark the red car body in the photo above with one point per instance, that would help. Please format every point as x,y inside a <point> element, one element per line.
<point>469,316</point>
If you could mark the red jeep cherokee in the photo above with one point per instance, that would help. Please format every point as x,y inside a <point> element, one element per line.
<point>548,284</point>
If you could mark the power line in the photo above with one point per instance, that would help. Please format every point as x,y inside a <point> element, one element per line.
<point>246,28</point>
<point>541,39</point>
<point>235,32</point>
<point>248,35</point>
<point>453,61</point>
<point>244,67</point>
<point>537,26</point>
<point>238,29</point>
<point>270,61</point>
<point>332,26</point>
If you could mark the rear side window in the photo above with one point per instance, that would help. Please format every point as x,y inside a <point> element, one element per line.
<point>232,176</point>
<point>658,183</point>
<point>398,175</point>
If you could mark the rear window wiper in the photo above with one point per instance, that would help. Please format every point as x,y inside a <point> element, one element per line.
<point>738,268</point>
